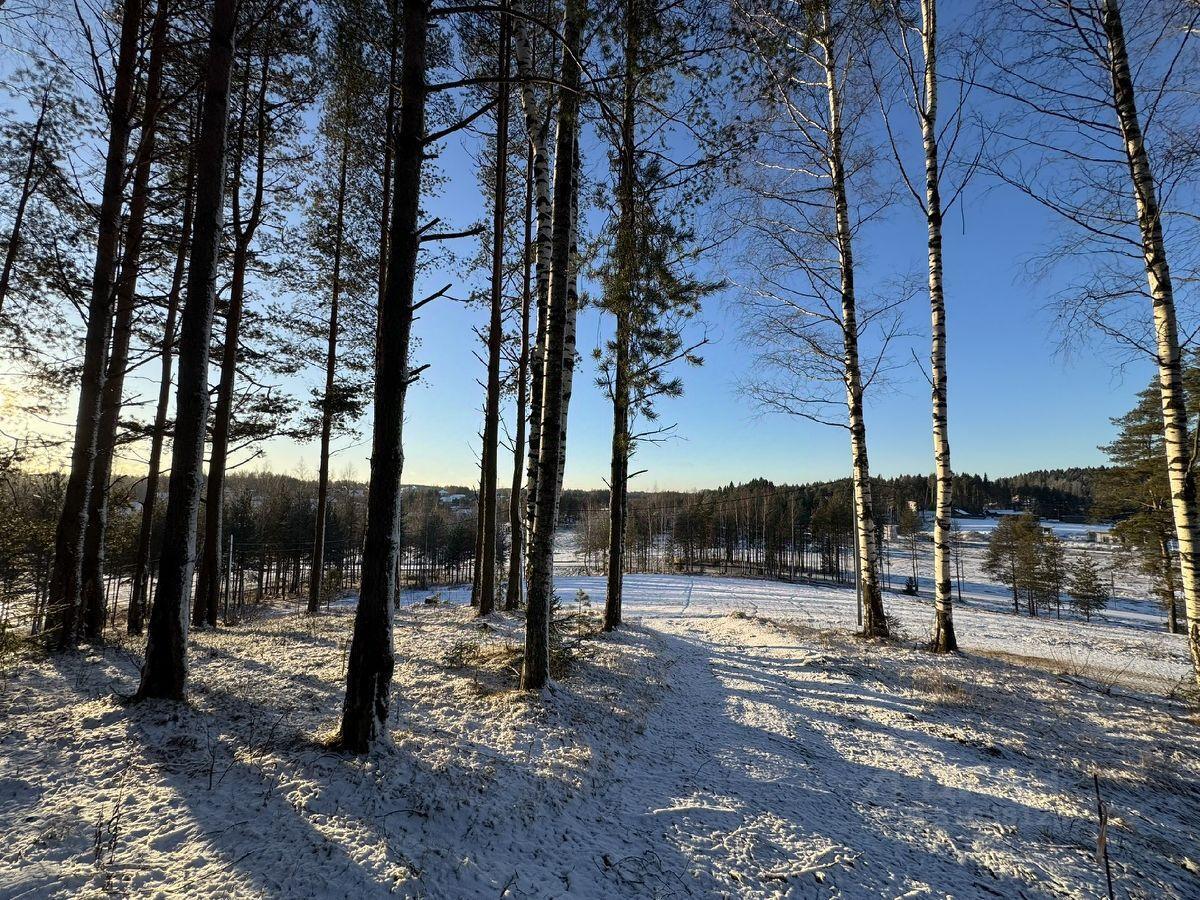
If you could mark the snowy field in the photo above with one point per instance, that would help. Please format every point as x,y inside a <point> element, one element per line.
<point>734,741</point>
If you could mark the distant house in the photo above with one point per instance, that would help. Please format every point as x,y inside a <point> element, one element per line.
<point>451,499</point>
<point>1096,536</point>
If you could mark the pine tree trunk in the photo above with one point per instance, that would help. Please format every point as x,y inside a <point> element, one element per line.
<point>512,597</point>
<point>1158,274</point>
<point>63,606</point>
<point>491,428</point>
<point>874,621</point>
<point>316,575</point>
<point>370,663</point>
<point>164,673</point>
<point>625,252</point>
<point>1168,572</point>
<point>944,639</point>
<point>618,478</point>
<point>569,341</point>
<point>536,670</point>
<point>208,584</point>
<point>389,125</point>
<point>138,585</point>
<point>118,359</point>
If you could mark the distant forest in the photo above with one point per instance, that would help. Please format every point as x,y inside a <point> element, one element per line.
<point>1048,493</point>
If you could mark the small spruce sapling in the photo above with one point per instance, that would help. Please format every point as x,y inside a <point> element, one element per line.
<point>1089,594</point>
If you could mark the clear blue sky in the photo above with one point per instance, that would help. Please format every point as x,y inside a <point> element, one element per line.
<point>1015,403</point>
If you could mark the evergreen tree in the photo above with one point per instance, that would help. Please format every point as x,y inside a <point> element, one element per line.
<point>1135,490</point>
<point>1088,592</point>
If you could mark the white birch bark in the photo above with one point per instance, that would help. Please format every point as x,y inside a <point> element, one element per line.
<point>537,121</point>
<point>569,341</point>
<point>874,620</point>
<point>1158,275</point>
<point>944,639</point>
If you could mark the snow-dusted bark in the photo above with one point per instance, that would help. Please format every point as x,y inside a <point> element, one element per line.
<point>1162,295</point>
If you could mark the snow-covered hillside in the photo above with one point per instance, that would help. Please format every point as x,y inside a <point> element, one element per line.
<point>735,741</point>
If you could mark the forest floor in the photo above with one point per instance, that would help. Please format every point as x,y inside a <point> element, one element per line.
<point>734,740</point>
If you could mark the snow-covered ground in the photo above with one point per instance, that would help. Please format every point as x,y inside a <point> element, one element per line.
<point>734,741</point>
<point>1069,531</point>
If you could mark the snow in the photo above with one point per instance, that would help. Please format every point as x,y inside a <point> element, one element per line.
<point>1068,531</point>
<point>734,740</point>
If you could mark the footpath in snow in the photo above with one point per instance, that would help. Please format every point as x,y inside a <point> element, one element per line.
<point>729,742</point>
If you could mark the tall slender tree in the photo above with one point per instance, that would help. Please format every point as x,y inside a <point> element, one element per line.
<point>66,582</point>
<point>276,87</point>
<point>111,399</point>
<point>491,427</point>
<point>164,672</point>
<point>370,663</point>
<point>536,669</point>
<point>915,44</point>
<point>1102,147</point>
<point>807,316</point>
<point>646,284</point>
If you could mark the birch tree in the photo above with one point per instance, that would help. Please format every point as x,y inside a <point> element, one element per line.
<point>1098,130</point>
<point>917,48</point>
<point>536,669</point>
<point>811,194</point>
<point>536,106</point>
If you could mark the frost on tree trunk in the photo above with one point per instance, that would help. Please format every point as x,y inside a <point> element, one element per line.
<point>164,673</point>
<point>944,639</point>
<point>370,663</point>
<point>536,669</point>
<point>64,599</point>
<point>874,621</point>
<point>1158,274</point>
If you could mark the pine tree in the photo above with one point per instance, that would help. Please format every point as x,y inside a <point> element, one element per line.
<point>164,673</point>
<point>66,586</point>
<point>1088,592</point>
<point>1135,490</point>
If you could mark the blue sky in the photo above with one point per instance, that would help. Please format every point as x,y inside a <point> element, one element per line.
<point>1016,403</point>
